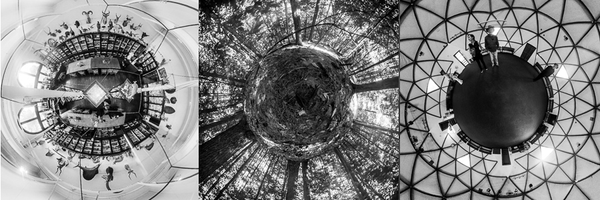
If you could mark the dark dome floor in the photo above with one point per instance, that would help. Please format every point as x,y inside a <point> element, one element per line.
<point>503,106</point>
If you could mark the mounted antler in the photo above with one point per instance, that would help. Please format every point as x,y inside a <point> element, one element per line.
<point>135,28</point>
<point>85,30</point>
<point>127,20</point>
<point>87,14</point>
<point>105,17</point>
<point>143,35</point>
<point>52,42</point>
<point>118,28</point>
<point>110,25</point>
<point>117,17</point>
<point>50,33</point>
<point>64,25</point>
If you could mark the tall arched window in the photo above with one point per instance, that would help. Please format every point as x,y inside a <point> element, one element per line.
<point>35,118</point>
<point>34,75</point>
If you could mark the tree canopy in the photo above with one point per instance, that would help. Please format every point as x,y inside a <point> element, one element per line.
<point>238,41</point>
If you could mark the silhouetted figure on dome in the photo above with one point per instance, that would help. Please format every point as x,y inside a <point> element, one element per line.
<point>109,177</point>
<point>452,77</point>
<point>475,50</point>
<point>61,163</point>
<point>491,44</point>
<point>130,171</point>
<point>88,172</point>
<point>546,72</point>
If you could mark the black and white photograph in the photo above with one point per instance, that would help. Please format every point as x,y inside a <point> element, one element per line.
<point>499,99</point>
<point>99,99</point>
<point>299,99</point>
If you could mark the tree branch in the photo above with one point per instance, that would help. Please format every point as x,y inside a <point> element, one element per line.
<point>237,82</point>
<point>388,83</point>
<point>372,29</point>
<point>224,120</point>
<point>375,64</point>
<point>242,42</point>
<point>374,127</point>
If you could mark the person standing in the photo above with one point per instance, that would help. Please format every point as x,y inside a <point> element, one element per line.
<point>491,44</point>
<point>546,72</point>
<point>475,50</point>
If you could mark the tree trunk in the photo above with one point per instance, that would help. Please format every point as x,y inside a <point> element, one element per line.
<point>314,20</point>
<point>296,18</point>
<point>362,193</point>
<point>237,173</point>
<point>292,169</point>
<point>388,83</point>
<point>230,163</point>
<point>224,120</point>
<point>306,189</point>
<point>218,150</point>
<point>360,176</point>
<point>262,182</point>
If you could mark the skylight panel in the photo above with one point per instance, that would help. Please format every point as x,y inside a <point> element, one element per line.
<point>562,73</point>
<point>432,86</point>
<point>465,160</point>
<point>545,152</point>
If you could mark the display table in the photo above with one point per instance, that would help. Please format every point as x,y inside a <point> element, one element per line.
<point>90,120</point>
<point>94,64</point>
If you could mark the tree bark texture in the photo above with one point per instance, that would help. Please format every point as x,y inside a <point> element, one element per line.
<point>292,169</point>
